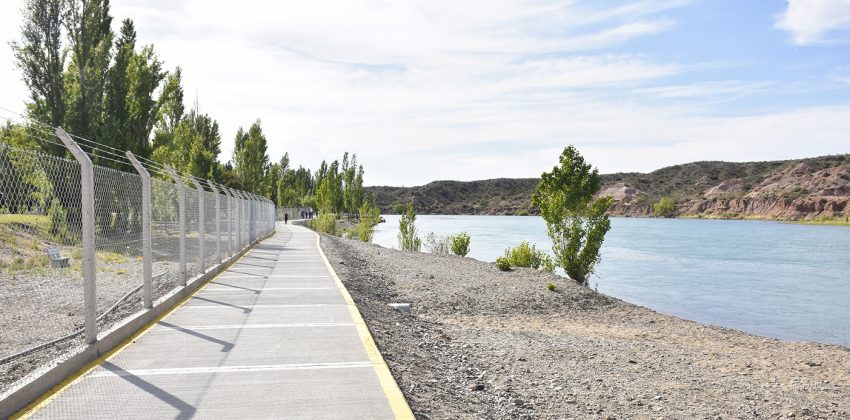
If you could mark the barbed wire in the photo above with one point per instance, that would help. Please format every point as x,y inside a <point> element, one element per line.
<point>149,164</point>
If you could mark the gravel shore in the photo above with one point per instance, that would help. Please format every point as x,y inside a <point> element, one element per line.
<point>480,343</point>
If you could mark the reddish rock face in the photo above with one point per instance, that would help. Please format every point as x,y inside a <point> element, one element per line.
<point>732,186</point>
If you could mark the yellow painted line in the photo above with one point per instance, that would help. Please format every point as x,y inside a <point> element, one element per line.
<point>63,386</point>
<point>398,404</point>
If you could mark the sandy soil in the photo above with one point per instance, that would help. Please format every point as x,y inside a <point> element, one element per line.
<point>481,343</point>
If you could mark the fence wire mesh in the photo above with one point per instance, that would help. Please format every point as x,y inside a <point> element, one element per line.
<point>40,273</point>
<point>41,279</point>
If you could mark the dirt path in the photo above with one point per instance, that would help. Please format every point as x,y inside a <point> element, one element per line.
<point>486,344</point>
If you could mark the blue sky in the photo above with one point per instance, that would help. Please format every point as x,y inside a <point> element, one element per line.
<point>431,89</point>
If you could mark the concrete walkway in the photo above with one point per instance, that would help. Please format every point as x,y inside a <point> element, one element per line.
<point>274,336</point>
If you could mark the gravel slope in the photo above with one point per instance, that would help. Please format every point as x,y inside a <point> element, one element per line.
<point>481,343</point>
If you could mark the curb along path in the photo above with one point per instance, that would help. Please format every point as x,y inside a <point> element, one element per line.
<point>275,335</point>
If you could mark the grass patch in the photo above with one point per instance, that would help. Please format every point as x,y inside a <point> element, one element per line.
<point>37,222</point>
<point>826,221</point>
<point>111,257</point>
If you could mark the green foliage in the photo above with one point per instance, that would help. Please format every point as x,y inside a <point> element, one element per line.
<point>796,193</point>
<point>551,286</point>
<point>407,237</point>
<point>528,256</point>
<point>460,244</point>
<point>576,221</point>
<point>250,158</point>
<point>326,223</point>
<point>398,208</point>
<point>521,212</point>
<point>369,217</point>
<point>665,207</point>
<point>503,264</point>
<point>192,147</point>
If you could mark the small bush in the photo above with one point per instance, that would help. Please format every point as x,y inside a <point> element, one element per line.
<point>665,207</point>
<point>521,212</point>
<point>528,256</point>
<point>460,244</point>
<point>407,238</point>
<point>326,223</point>
<point>438,244</point>
<point>503,264</point>
<point>552,286</point>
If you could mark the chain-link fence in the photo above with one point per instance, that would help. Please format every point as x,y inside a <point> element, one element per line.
<point>84,246</point>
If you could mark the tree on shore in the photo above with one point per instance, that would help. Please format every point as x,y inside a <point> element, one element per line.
<point>576,221</point>
<point>665,207</point>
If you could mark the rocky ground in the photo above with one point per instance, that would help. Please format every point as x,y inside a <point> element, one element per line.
<point>481,343</point>
<point>39,305</point>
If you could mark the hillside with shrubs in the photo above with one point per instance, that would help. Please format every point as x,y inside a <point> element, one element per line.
<point>814,189</point>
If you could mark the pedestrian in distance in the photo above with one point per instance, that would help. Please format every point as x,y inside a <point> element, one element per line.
<point>285,218</point>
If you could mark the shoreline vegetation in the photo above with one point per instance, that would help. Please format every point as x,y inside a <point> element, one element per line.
<point>481,342</point>
<point>512,339</point>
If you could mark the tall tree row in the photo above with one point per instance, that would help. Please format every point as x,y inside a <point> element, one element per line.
<point>116,92</point>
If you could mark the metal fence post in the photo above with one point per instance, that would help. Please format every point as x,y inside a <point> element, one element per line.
<point>147,264</point>
<point>87,213</point>
<point>202,230</point>
<point>217,219</point>
<point>181,196</point>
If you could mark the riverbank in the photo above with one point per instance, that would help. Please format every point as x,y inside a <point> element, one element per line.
<point>481,343</point>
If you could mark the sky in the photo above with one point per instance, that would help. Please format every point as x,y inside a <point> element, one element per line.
<point>425,90</point>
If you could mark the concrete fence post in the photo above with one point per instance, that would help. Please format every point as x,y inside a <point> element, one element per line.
<point>87,214</point>
<point>202,229</point>
<point>147,262</point>
<point>181,197</point>
<point>238,222</point>
<point>231,219</point>
<point>217,220</point>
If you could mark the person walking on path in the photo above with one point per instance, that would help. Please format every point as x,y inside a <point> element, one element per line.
<point>286,218</point>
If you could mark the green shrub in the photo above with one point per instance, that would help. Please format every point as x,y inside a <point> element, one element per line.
<point>326,223</point>
<point>521,212</point>
<point>665,207</point>
<point>528,256</point>
<point>552,286</point>
<point>503,264</point>
<point>460,244</point>
<point>407,238</point>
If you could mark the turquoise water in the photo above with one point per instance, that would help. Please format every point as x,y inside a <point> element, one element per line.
<point>773,279</point>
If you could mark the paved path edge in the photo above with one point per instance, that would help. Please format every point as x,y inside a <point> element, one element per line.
<point>395,398</point>
<point>38,388</point>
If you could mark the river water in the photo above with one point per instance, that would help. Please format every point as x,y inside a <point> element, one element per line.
<point>772,279</point>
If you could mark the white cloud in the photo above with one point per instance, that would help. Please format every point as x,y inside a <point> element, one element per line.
<point>425,90</point>
<point>816,21</point>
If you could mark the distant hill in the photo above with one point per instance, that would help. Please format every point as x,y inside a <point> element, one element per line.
<point>784,190</point>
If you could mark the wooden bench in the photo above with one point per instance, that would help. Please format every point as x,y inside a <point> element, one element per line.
<point>56,260</point>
